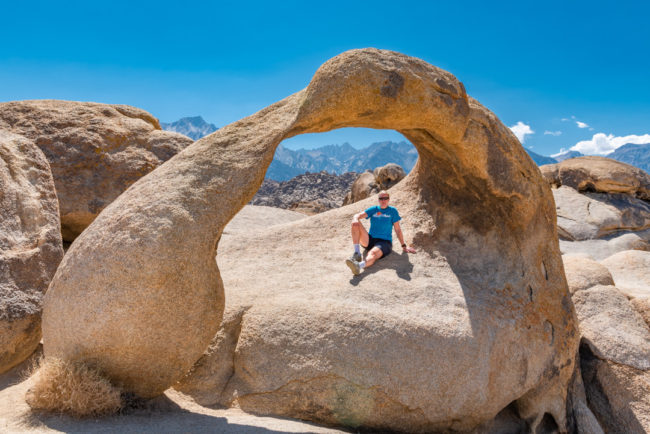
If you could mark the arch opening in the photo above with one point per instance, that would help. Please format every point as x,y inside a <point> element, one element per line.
<point>318,173</point>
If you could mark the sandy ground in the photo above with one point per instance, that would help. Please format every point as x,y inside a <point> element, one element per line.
<point>171,413</point>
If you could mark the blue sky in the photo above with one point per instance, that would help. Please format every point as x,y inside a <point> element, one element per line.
<point>548,65</point>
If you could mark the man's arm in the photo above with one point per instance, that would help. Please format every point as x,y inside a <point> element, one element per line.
<point>358,216</point>
<point>400,236</point>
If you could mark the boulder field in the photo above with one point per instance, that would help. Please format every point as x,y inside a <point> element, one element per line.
<point>611,300</point>
<point>30,245</point>
<point>95,151</point>
<point>603,206</point>
<point>308,193</point>
<point>478,322</point>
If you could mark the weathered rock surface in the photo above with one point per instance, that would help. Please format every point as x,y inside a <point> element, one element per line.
<point>612,327</point>
<point>608,245</point>
<point>599,174</point>
<point>583,273</point>
<point>369,183</point>
<point>30,245</point>
<point>96,151</point>
<point>445,339</point>
<point>615,350</point>
<point>631,272</point>
<point>583,216</point>
<point>642,305</point>
<point>364,186</point>
<point>619,395</point>
<point>309,193</point>
<point>388,175</point>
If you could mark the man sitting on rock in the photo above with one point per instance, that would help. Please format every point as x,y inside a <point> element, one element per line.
<point>379,242</point>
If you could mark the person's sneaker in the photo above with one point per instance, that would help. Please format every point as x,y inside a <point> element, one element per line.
<point>356,256</point>
<point>354,266</point>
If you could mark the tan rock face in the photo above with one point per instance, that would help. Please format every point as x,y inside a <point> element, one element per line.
<point>363,187</point>
<point>599,174</point>
<point>612,328</point>
<point>482,311</point>
<point>30,245</point>
<point>96,151</point>
<point>631,272</point>
<point>583,273</point>
<point>642,305</point>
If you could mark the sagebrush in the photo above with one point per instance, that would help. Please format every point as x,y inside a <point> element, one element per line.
<point>72,388</point>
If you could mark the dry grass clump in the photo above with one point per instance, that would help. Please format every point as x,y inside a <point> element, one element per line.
<point>71,388</point>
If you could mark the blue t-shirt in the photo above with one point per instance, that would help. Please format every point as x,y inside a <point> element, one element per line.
<point>381,221</point>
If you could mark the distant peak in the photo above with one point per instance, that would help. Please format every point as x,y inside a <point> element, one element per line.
<point>193,119</point>
<point>192,126</point>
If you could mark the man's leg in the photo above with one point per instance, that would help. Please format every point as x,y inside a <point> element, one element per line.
<point>359,234</point>
<point>373,255</point>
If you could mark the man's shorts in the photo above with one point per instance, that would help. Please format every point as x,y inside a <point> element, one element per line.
<point>385,245</point>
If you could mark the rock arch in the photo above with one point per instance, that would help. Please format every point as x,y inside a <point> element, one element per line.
<point>139,294</point>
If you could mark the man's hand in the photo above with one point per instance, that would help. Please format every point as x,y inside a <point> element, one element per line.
<point>408,249</point>
<point>357,217</point>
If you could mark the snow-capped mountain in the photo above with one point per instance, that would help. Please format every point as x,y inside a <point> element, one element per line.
<point>193,127</point>
<point>339,159</point>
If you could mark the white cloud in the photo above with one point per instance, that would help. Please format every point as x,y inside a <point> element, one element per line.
<point>552,133</point>
<point>602,144</point>
<point>581,124</point>
<point>562,151</point>
<point>521,130</point>
<point>565,119</point>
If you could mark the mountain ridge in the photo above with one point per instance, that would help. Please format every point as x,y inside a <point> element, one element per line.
<point>341,158</point>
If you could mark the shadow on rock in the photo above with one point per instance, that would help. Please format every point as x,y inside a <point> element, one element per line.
<point>399,262</point>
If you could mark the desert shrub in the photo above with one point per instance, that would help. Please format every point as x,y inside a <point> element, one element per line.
<point>71,388</point>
